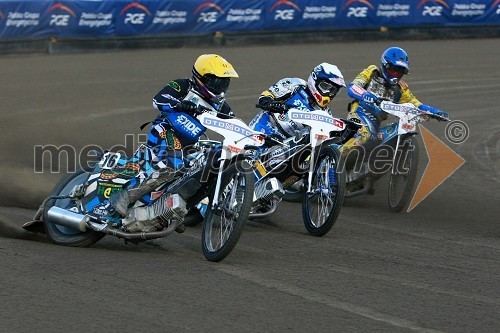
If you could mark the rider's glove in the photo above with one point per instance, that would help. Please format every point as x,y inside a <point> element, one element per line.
<point>351,128</point>
<point>187,106</point>
<point>267,103</point>
<point>373,109</point>
<point>277,107</point>
<point>264,102</point>
<point>435,111</point>
<point>369,98</point>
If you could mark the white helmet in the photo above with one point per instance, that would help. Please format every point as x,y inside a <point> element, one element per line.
<point>324,83</point>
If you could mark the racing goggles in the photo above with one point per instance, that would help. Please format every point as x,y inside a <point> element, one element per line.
<point>216,85</point>
<point>395,71</point>
<point>329,89</point>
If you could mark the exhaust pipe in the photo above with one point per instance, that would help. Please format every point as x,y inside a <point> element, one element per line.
<point>271,211</point>
<point>143,235</point>
<point>77,221</point>
<point>67,218</point>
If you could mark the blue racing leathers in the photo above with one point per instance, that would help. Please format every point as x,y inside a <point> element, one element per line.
<point>166,140</point>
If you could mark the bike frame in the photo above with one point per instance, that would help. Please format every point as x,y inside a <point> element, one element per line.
<point>320,125</point>
<point>237,135</point>
<point>408,117</point>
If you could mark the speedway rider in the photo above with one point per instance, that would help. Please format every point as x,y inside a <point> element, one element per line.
<point>317,93</point>
<point>211,77</point>
<point>374,83</point>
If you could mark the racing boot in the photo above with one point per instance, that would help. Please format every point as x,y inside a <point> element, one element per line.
<point>121,200</point>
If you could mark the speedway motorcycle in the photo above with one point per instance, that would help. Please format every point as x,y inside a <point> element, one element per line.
<point>310,156</point>
<point>398,146</point>
<point>285,162</point>
<point>78,213</point>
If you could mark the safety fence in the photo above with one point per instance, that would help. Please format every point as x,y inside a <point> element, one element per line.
<point>114,18</point>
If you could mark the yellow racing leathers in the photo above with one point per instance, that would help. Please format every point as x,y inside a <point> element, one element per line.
<point>370,82</point>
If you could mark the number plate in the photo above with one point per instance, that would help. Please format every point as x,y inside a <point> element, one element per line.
<point>109,160</point>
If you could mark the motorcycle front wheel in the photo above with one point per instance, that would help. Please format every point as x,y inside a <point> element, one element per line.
<point>403,175</point>
<point>321,207</point>
<point>63,235</point>
<point>223,224</point>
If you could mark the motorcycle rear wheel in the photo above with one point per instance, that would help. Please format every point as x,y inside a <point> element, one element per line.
<point>62,235</point>
<point>223,225</point>
<point>402,181</point>
<point>321,208</point>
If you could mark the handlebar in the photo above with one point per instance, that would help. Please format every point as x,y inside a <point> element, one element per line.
<point>418,112</point>
<point>382,99</point>
<point>201,109</point>
<point>270,109</point>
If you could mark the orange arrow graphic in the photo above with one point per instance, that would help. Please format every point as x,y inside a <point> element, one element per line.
<point>443,162</point>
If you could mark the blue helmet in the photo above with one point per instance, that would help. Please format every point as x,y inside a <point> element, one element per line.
<point>395,64</point>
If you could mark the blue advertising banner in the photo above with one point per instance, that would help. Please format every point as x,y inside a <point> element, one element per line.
<point>301,14</point>
<point>23,19</point>
<point>75,18</point>
<point>107,18</point>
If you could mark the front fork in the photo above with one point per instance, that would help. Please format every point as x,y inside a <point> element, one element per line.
<point>215,200</point>
<point>400,138</point>
<point>311,171</point>
<point>314,144</point>
<point>394,167</point>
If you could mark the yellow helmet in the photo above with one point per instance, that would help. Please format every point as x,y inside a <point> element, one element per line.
<point>212,74</point>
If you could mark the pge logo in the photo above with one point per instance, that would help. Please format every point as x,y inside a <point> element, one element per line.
<point>284,14</point>
<point>61,20</point>
<point>432,10</point>
<point>497,3</point>
<point>135,18</point>
<point>208,16</point>
<point>358,11</point>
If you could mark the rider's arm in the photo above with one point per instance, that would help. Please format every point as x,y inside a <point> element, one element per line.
<point>282,90</point>
<point>408,97</point>
<point>357,89</point>
<point>433,110</point>
<point>279,93</point>
<point>168,97</point>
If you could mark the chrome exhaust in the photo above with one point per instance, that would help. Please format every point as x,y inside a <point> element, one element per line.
<point>77,221</point>
<point>67,218</point>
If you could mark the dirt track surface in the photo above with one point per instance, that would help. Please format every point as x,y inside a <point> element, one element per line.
<point>435,269</point>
